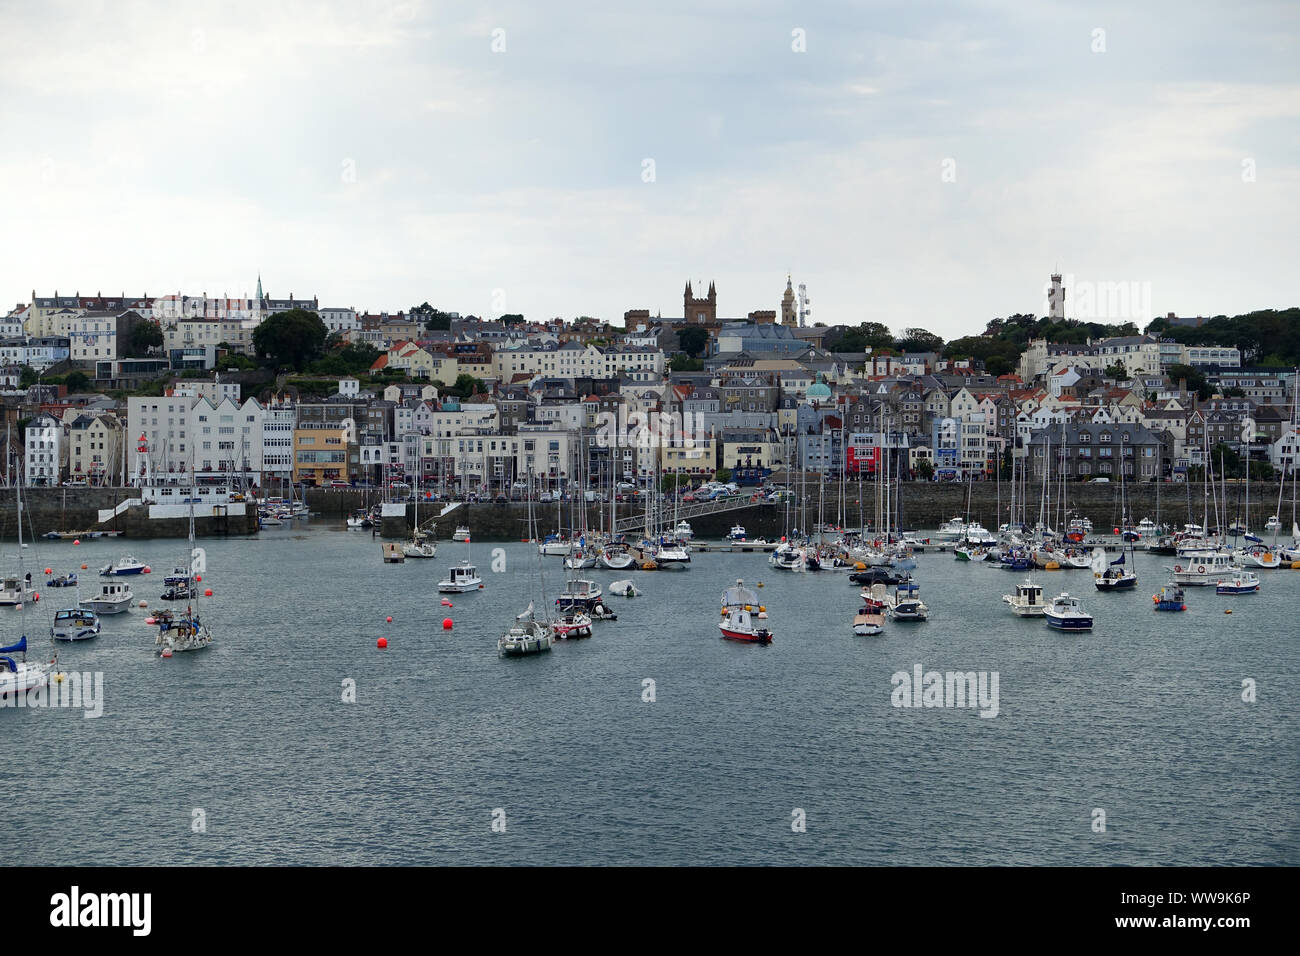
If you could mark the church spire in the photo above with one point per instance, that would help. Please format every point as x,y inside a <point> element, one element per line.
<point>259,286</point>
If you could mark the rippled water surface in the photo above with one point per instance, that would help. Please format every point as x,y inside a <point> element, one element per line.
<point>1143,718</point>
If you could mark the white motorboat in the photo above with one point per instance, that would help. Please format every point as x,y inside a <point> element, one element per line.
<point>683,531</point>
<point>737,533</point>
<point>788,558</point>
<point>1148,528</point>
<point>1243,582</point>
<point>1273,523</point>
<point>1203,568</point>
<point>18,676</point>
<point>1027,601</point>
<point>74,624</point>
<point>870,619</point>
<point>954,529</point>
<point>124,566</point>
<point>461,578</point>
<point>113,598</point>
<point>16,590</point>
<point>581,593</point>
<point>460,534</point>
<point>907,604</point>
<point>1065,613</point>
<point>672,555</point>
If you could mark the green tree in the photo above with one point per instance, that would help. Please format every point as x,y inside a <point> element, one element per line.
<point>291,338</point>
<point>723,475</point>
<point>1117,371</point>
<point>1195,380</point>
<point>919,340</point>
<point>692,340</point>
<point>27,377</point>
<point>512,318</point>
<point>866,336</point>
<point>925,468</point>
<point>145,335</point>
<point>467,385</point>
<point>683,363</point>
<point>77,381</point>
<point>671,480</point>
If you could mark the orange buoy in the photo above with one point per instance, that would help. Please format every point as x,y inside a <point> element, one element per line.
<point>76,541</point>
<point>389,619</point>
<point>208,592</point>
<point>446,624</point>
<point>48,571</point>
<point>83,567</point>
<point>148,570</point>
<point>382,642</point>
<point>198,579</point>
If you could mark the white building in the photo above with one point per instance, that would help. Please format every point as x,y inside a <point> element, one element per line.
<point>343,321</point>
<point>278,420</point>
<point>228,438</point>
<point>45,450</point>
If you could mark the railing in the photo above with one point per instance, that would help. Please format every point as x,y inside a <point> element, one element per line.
<point>108,514</point>
<point>685,512</point>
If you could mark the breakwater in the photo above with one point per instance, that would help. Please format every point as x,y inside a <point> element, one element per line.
<point>924,505</point>
<point>77,509</point>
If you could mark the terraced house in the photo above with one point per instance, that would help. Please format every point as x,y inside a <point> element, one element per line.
<point>1082,451</point>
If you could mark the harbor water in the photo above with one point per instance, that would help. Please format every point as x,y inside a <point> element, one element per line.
<point>655,741</point>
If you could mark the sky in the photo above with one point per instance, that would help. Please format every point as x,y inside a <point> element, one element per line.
<point>917,167</point>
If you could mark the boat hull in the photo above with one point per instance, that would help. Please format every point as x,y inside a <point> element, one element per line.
<point>1068,623</point>
<point>761,636</point>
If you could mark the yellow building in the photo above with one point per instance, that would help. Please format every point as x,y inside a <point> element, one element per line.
<point>696,457</point>
<point>321,454</point>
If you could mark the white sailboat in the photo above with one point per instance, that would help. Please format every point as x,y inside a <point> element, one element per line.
<point>184,631</point>
<point>421,544</point>
<point>527,635</point>
<point>17,677</point>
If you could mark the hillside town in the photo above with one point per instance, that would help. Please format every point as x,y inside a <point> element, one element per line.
<point>467,406</point>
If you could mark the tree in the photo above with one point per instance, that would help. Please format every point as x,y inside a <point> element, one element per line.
<point>77,381</point>
<point>671,480</point>
<point>919,340</point>
<point>27,378</point>
<point>692,340</point>
<point>683,363</point>
<point>1117,371</point>
<point>867,336</point>
<point>925,468</point>
<point>145,335</point>
<point>512,318</point>
<point>291,338</point>
<point>1195,380</point>
<point>723,475</point>
<point>467,385</point>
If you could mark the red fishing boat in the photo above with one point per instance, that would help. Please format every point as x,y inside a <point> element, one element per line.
<point>741,613</point>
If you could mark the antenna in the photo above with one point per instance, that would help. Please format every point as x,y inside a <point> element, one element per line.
<point>804,311</point>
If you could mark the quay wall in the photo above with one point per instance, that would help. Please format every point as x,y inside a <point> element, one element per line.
<point>77,509</point>
<point>925,506</point>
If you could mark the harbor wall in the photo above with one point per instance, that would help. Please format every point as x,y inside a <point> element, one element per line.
<point>924,505</point>
<point>77,509</point>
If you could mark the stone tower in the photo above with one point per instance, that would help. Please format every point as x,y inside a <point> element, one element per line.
<point>700,311</point>
<point>789,314</point>
<point>1056,298</point>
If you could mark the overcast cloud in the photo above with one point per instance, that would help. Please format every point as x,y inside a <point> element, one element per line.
<point>379,154</point>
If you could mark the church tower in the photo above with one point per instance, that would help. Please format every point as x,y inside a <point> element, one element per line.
<point>700,311</point>
<point>789,316</point>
